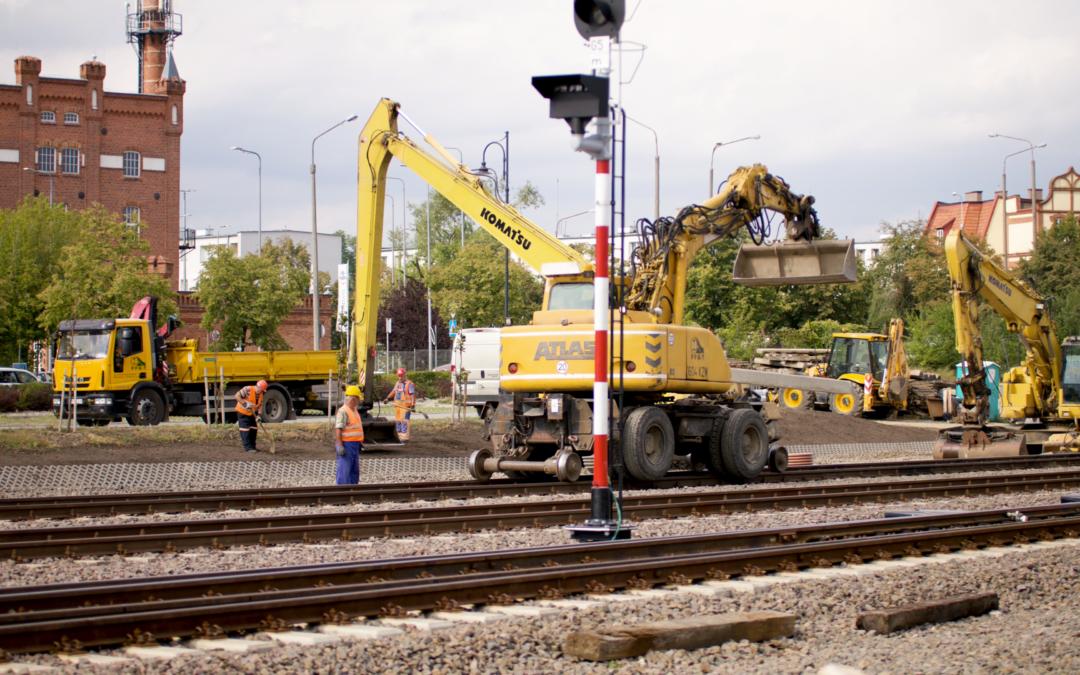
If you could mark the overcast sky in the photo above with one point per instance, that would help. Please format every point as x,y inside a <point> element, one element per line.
<point>876,108</point>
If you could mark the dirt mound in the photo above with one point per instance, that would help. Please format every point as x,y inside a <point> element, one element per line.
<point>812,427</point>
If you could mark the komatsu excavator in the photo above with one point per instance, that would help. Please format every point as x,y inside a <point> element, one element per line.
<point>1041,397</point>
<point>543,422</point>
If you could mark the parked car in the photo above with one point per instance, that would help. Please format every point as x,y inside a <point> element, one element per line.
<point>9,377</point>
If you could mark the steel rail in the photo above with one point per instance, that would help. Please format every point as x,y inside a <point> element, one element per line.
<point>26,544</point>
<point>31,631</point>
<point>16,601</point>
<point>213,501</point>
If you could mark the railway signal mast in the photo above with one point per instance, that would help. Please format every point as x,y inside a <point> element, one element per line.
<point>581,99</point>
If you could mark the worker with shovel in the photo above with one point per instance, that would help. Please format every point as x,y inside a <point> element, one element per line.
<point>249,404</point>
<point>403,397</point>
<point>349,436</point>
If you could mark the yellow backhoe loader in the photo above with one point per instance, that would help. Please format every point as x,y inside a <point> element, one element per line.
<point>544,419</point>
<point>1041,397</point>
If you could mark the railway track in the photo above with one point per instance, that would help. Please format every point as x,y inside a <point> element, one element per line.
<point>33,619</point>
<point>178,535</point>
<point>225,500</point>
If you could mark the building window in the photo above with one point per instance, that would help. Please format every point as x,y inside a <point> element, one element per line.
<point>93,99</point>
<point>131,215</point>
<point>29,94</point>
<point>941,233</point>
<point>873,254</point>
<point>69,160</point>
<point>175,115</point>
<point>71,118</point>
<point>131,165</point>
<point>46,160</point>
<point>48,117</point>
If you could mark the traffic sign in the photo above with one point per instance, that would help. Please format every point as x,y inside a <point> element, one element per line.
<point>453,327</point>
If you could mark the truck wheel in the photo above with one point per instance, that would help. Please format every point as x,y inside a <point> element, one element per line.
<point>796,399</point>
<point>650,443</point>
<point>744,445</point>
<point>275,407</point>
<point>147,409</point>
<point>847,404</point>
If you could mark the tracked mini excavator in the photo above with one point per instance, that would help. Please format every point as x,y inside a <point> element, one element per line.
<point>1041,397</point>
<point>680,392</point>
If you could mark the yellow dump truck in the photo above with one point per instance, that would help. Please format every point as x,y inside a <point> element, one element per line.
<point>125,370</point>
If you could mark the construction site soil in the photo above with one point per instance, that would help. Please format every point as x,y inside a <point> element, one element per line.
<point>434,439</point>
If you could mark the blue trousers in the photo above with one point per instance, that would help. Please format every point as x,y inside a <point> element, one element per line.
<point>348,467</point>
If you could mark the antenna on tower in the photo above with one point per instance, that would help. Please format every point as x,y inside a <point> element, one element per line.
<point>151,29</point>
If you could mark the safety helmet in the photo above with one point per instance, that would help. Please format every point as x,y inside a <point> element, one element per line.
<point>353,390</point>
<point>400,371</point>
<point>262,385</point>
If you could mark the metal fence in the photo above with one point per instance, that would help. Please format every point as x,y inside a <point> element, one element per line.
<point>411,360</point>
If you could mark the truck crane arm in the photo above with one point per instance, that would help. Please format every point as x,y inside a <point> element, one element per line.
<point>668,246</point>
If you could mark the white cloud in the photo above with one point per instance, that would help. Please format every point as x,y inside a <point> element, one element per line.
<point>877,108</point>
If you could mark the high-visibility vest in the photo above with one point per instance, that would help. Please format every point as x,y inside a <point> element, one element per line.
<point>354,432</point>
<point>402,395</point>
<point>253,400</point>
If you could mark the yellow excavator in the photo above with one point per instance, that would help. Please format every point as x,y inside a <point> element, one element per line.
<point>1041,397</point>
<point>544,419</point>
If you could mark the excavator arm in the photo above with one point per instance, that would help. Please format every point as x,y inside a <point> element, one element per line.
<point>974,277</point>
<point>380,141</point>
<point>897,375</point>
<point>668,246</point>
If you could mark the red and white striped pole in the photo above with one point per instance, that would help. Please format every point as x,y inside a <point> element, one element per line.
<point>600,350</point>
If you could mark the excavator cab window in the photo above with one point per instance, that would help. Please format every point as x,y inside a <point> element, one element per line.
<point>1070,372</point>
<point>858,356</point>
<point>571,296</point>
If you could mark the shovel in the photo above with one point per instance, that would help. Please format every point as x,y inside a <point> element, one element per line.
<point>262,428</point>
<point>413,410</point>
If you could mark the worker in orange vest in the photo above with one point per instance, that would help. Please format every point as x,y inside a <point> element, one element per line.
<point>403,396</point>
<point>249,403</point>
<point>349,435</point>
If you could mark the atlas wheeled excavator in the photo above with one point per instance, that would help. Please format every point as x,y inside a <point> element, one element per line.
<point>1040,397</point>
<point>543,421</point>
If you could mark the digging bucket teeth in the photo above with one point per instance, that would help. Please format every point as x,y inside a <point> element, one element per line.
<point>976,442</point>
<point>796,263</point>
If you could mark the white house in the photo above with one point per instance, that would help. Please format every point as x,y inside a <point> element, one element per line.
<point>247,243</point>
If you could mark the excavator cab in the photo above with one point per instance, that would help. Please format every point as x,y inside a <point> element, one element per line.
<point>1070,371</point>
<point>791,263</point>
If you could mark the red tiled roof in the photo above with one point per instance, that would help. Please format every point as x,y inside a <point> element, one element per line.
<point>975,217</point>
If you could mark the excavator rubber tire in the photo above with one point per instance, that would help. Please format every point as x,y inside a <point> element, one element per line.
<point>847,404</point>
<point>796,399</point>
<point>711,457</point>
<point>744,445</point>
<point>649,449</point>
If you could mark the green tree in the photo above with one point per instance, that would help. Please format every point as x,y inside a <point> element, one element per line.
<point>471,287</point>
<point>101,273</point>
<point>249,297</point>
<point>1054,268</point>
<point>32,237</point>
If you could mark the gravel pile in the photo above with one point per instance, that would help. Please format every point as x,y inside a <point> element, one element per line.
<point>48,571</point>
<point>1034,632</point>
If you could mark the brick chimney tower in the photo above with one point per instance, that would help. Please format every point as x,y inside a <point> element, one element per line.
<point>151,29</point>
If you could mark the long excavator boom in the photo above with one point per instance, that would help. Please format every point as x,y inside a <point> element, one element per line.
<point>380,141</point>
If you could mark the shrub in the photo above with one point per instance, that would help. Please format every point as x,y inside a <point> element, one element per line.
<point>35,396</point>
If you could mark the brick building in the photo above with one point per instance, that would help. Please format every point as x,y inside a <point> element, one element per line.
<point>986,219</point>
<point>294,329</point>
<point>72,139</point>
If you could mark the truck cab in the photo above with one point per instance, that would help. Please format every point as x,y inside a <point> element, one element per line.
<point>109,366</point>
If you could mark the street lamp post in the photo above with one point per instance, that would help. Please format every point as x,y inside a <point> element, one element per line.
<point>656,186</point>
<point>393,217</point>
<point>506,191</point>
<point>315,242</point>
<point>44,173</point>
<point>1034,201</point>
<point>249,152</point>
<point>712,185</point>
<point>562,220</point>
<point>404,235</point>
<point>1005,202</point>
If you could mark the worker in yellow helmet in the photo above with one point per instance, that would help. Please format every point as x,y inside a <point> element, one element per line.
<point>349,437</point>
<point>403,396</point>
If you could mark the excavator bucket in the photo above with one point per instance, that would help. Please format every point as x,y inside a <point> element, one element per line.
<point>796,263</point>
<point>381,431</point>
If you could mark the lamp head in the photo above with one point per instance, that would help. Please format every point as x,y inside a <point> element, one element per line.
<point>1040,145</point>
<point>756,138</point>
<point>994,135</point>
<point>351,118</point>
